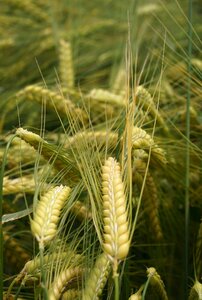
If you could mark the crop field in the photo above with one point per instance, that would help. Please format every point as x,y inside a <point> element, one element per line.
<point>100,150</point>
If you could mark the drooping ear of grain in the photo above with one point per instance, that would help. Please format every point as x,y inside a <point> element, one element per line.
<point>116,230</point>
<point>61,282</point>
<point>157,283</point>
<point>47,214</point>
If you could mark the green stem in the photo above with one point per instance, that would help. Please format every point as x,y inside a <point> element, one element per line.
<point>43,275</point>
<point>116,285</point>
<point>145,288</point>
<point>187,183</point>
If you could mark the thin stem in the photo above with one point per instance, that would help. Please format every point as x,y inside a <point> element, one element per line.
<point>145,288</point>
<point>187,183</point>
<point>1,212</point>
<point>43,275</point>
<point>116,286</point>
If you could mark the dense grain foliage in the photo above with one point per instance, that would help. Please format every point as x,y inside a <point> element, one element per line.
<point>100,150</point>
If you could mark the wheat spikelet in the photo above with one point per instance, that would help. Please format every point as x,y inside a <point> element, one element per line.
<point>196,291</point>
<point>66,64</point>
<point>47,213</point>
<point>61,282</point>
<point>150,196</point>
<point>53,100</point>
<point>157,283</point>
<point>144,98</point>
<point>142,140</point>
<point>116,233</point>
<point>97,278</point>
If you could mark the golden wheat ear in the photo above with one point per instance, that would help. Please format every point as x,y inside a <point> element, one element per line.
<point>61,282</point>
<point>47,214</point>
<point>116,230</point>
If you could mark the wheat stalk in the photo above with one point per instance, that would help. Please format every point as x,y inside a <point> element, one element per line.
<point>97,278</point>
<point>116,232</point>
<point>47,213</point>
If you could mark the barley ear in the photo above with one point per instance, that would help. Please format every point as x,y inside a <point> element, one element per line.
<point>60,283</point>
<point>97,278</point>
<point>196,291</point>
<point>66,64</point>
<point>47,213</point>
<point>157,283</point>
<point>116,230</point>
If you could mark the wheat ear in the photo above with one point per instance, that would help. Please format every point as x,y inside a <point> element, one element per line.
<point>81,211</point>
<point>66,64</point>
<point>50,152</point>
<point>71,294</point>
<point>157,283</point>
<point>116,232</point>
<point>47,213</point>
<point>29,8</point>
<point>54,100</point>
<point>101,138</point>
<point>144,98</point>
<point>150,195</point>
<point>142,140</point>
<point>104,96</point>
<point>196,291</point>
<point>60,283</point>
<point>97,278</point>
<point>22,184</point>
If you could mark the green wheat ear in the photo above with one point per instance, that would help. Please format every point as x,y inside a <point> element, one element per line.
<point>157,283</point>
<point>196,291</point>
<point>97,278</point>
<point>47,214</point>
<point>116,230</point>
